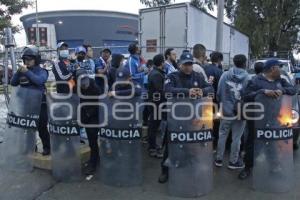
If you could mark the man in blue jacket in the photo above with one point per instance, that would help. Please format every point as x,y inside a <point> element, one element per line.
<point>62,69</point>
<point>187,82</point>
<point>134,65</point>
<point>272,85</point>
<point>31,75</point>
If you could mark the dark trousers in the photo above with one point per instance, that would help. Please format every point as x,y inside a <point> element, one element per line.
<point>146,115</point>
<point>249,147</point>
<point>165,169</point>
<point>216,125</point>
<point>43,130</point>
<point>92,135</point>
<point>153,127</point>
<point>296,136</point>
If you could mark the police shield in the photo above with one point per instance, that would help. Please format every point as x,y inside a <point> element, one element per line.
<point>20,134</point>
<point>190,147</point>
<point>64,137</point>
<point>273,147</point>
<point>120,143</point>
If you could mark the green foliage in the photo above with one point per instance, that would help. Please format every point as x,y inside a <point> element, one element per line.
<point>272,25</point>
<point>8,8</point>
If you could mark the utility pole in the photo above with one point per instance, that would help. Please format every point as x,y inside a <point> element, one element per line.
<point>37,25</point>
<point>219,38</point>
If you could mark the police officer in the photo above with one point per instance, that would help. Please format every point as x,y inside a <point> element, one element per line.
<point>62,69</point>
<point>31,75</point>
<point>187,82</point>
<point>272,85</point>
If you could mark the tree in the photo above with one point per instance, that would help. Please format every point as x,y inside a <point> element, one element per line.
<point>9,8</point>
<point>202,4</point>
<point>155,3</point>
<point>272,25</point>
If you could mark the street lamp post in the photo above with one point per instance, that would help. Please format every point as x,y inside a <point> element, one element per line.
<point>219,37</point>
<point>37,25</point>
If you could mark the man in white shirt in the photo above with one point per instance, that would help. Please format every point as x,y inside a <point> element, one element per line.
<point>170,63</point>
<point>199,54</point>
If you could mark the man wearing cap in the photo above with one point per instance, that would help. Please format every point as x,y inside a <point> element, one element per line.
<point>187,82</point>
<point>62,69</point>
<point>272,85</point>
<point>103,62</point>
<point>102,65</point>
<point>81,62</point>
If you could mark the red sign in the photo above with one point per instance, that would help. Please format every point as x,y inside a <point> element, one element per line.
<point>151,46</point>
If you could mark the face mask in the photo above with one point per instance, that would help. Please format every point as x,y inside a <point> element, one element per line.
<point>64,53</point>
<point>80,58</point>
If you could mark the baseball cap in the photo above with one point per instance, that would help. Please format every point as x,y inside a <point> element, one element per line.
<point>59,45</point>
<point>80,49</point>
<point>123,74</point>
<point>271,63</point>
<point>186,57</point>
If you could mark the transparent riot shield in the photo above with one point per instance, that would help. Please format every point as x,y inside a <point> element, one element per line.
<point>273,146</point>
<point>120,147</point>
<point>64,137</point>
<point>20,134</point>
<point>190,158</point>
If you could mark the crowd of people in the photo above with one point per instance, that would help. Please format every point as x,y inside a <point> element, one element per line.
<point>193,74</point>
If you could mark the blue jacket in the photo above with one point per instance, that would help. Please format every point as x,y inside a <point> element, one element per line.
<point>34,78</point>
<point>126,90</point>
<point>99,63</point>
<point>169,68</point>
<point>62,71</point>
<point>180,83</point>
<point>258,84</point>
<point>216,72</point>
<point>229,90</point>
<point>133,65</point>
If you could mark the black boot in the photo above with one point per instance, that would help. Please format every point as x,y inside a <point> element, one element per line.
<point>245,173</point>
<point>46,152</point>
<point>163,178</point>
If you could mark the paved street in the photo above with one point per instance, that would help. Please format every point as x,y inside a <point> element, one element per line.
<point>39,185</point>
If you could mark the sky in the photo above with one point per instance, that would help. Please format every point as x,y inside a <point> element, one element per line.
<point>128,6</point>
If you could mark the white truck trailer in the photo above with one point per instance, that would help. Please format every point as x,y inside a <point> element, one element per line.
<point>181,26</point>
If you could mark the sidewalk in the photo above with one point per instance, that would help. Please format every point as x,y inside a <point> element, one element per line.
<point>39,185</point>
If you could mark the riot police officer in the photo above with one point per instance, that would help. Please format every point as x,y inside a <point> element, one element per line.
<point>31,75</point>
<point>187,82</point>
<point>272,85</point>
